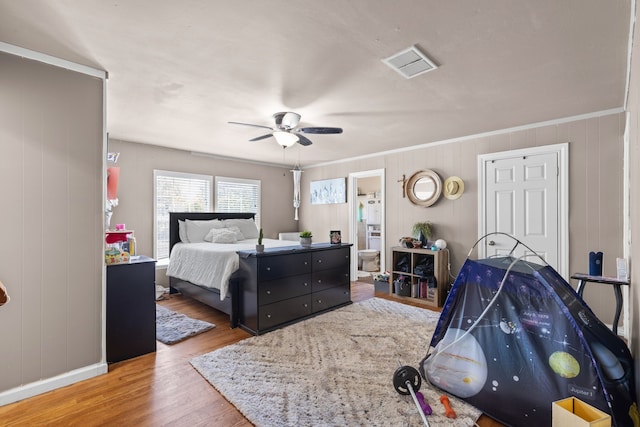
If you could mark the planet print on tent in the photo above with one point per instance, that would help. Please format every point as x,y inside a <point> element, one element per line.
<point>462,368</point>
<point>564,364</point>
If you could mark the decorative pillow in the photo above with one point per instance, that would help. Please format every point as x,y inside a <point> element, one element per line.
<point>247,227</point>
<point>196,230</point>
<point>182,231</point>
<point>221,235</point>
<point>237,231</point>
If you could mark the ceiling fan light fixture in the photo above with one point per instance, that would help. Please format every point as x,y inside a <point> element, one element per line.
<point>286,139</point>
<point>286,132</point>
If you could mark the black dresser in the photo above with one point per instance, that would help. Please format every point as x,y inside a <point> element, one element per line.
<point>284,285</point>
<point>131,309</point>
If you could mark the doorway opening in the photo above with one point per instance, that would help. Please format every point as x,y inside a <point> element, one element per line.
<point>367,223</point>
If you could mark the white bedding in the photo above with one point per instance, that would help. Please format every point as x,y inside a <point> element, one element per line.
<point>212,264</point>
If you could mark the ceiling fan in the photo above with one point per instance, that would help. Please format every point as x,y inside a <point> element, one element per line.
<point>286,131</point>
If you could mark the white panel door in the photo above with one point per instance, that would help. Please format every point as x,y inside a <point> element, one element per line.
<point>522,201</point>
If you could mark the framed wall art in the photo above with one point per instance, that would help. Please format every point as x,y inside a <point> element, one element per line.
<point>329,191</point>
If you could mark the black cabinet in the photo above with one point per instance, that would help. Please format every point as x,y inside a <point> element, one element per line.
<point>284,285</point>
<point>131,309</point>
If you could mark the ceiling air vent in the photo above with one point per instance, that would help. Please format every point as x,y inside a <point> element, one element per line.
<point>410,62</point>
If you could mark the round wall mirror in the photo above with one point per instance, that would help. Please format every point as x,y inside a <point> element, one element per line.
<point>424,188</point>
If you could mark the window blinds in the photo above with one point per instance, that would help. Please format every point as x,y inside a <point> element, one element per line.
<point>177,192</point>
<point>238,195</point>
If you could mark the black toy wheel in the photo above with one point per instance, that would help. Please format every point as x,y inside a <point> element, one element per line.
<point>404,374</point>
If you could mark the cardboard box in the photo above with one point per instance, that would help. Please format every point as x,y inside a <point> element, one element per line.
<point>572,412</point>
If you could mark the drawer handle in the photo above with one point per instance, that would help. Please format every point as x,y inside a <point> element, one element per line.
<point>268,292</point>
<point>319,301</point>
<point>319,261</point>
<point>306,263</point>
<point>319,281</point>
<point>268,316</point>
<point>305,305</point>
<point>306,284</point>
<point>268,268</point>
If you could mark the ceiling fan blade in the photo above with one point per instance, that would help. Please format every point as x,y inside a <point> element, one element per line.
<point>258,138</point>
<point>320,130</point>
<point>303,140</point>
<point>249,124</point>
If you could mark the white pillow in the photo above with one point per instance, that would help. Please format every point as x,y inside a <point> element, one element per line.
<point>182,231</point>
<point>221,235</point>
<point>196,230</point>
<point>237,232</point>
<point>247,227</point>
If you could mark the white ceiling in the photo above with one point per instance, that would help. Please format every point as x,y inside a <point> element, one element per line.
<point>180,70</point>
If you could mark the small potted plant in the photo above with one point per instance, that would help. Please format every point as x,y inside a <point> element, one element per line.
<point>260,246</point>
<point>422,232</point>
<point>305,238</point>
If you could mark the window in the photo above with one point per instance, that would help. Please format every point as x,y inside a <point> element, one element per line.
<point>238,195</point>
<point>177,192</point>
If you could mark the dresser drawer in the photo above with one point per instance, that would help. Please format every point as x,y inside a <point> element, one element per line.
<point>330,297</point>
<point>274,267</point>
<point>327,260</point>
<point>324,279</point>
<point>271,291</point>
<point>284,311</point>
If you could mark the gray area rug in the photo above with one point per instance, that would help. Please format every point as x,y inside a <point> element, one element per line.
<point>172,327</point>
<point>335,369</point>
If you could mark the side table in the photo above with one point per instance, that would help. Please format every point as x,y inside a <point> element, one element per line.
<point>131,309</point>
<point>583,279</point>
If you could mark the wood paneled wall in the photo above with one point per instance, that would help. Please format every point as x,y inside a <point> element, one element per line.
<point>595,193</point>
<point>51,261</point>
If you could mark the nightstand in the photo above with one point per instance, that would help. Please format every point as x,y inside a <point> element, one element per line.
<point>131,309</point>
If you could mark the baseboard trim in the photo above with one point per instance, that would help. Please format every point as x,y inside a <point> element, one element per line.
<point>43,386</point>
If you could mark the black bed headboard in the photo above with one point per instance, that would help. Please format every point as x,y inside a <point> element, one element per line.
<point>174,232</point>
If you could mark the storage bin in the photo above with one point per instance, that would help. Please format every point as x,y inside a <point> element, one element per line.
<point>381,285</point>
<point>572,412</point>
<point>402,286</point>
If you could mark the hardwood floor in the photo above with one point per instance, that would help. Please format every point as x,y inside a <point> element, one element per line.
<point>155,389</point>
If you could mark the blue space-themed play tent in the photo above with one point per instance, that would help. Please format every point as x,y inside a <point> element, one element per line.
<point>514,336</point>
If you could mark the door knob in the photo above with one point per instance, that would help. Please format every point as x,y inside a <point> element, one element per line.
<point>492,243</point>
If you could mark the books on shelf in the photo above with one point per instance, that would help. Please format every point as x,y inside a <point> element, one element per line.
<point>427,288</point>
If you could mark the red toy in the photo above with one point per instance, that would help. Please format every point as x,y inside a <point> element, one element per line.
<point>450,413</point>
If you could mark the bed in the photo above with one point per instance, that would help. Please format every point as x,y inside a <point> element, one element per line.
<point>206,271</point>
